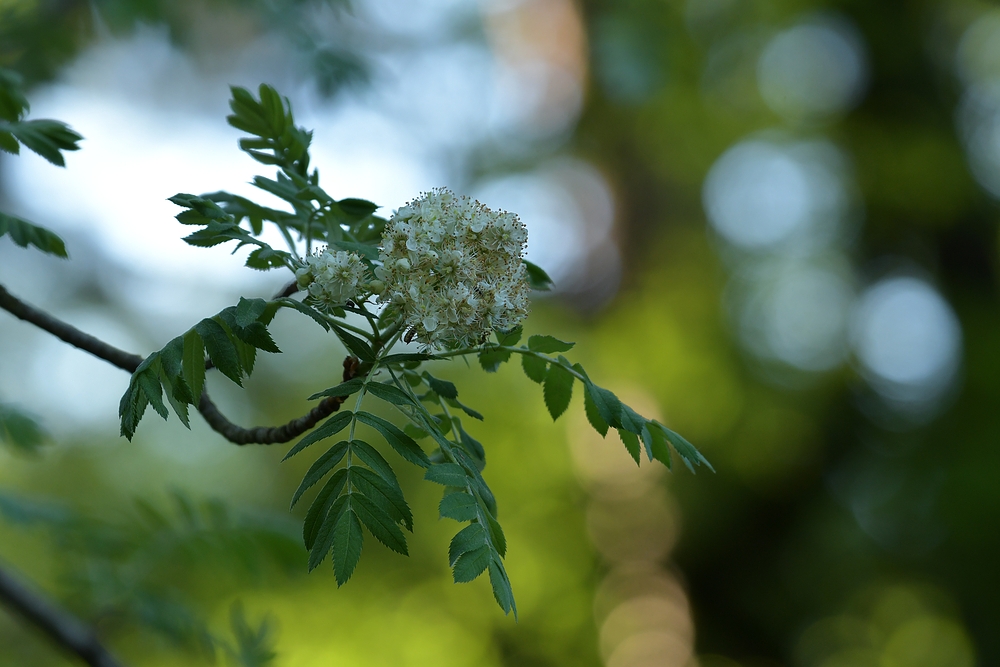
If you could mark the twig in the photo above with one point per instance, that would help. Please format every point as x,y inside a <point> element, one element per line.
<point>263,435</point>
<point>61,626</point>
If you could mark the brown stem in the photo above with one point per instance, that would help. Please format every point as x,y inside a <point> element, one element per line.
<point>263,435</point>
<point>62,627</point>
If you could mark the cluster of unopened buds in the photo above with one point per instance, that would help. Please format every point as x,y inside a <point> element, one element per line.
<point>449,270</point>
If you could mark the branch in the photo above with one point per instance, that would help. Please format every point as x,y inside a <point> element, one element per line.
<point>61,626</point>
<point>263,435</point>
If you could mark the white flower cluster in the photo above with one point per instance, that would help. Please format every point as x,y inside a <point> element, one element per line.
<point>452,269</point>
<point>333,277</point>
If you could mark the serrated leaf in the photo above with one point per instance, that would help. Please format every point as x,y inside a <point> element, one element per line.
<point>24,233</point>
<point>464,408</point>
<point>46,137</point>
<point>593,414</point>
<point>558,390</point>
<point>361,249</point>
<point>472,446</point>
<point>497,538</point>
<point>379,524</point>
<point>326,533</point>
<point>537,278</point>
<point>688,452</point>
<point>534,367</point>
<point>305,310</point>
<point>658,448</point>
<point>632,421</point>
<point>358,347</point>
<point>149,383</point>
<point>491,358</point>
<point>469,538</point>
<point>548,344</point>
<point>415,432</point>
<point>320,506</point>
<point>374,460</point>
<point>193,363</point>
<point>458,506</point>
<point>347,543</point>
<point>249,311</point>
<point>509,338</point>
<point>442,388</point>
<point>407,357</point>
<point>391,394</point>
<point>266,258</point>
<point>404,445</point>
<point>631,442</point>
<point>471,564</point>
<point>502,591</point>
<point>384,493</point>
<point>607,404</point>
<point>221,350</point>
<point>319,469</point>
<point>448,474</point>
<point>343,389</point>
<point>330,427</point>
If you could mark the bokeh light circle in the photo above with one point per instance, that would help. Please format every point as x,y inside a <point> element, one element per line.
<point>814,69</point>
<point>907,339</point>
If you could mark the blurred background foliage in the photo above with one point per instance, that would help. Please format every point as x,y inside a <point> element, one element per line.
<point>772,224</point>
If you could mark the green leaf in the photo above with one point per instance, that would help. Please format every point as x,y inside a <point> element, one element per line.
<point>305,310</point>
<point>469,538</point>
<point>415,432</point>
<point>509,338</point>
<point>537,278</point>
<point>330,427</point>
<point>45,137</point>
<point>385,494</point>
<point>502,591</point>
<point>343,389</point>
<point>357,208</point>
<point>320,506</point>
<point>497,537</point>
<point>464,408</point>
<point>391,394</point>
<point>267,258</point>
<point>371,458</point>
<point>347,543</point>
<point>632,420</point>
<point>658,448</point>
<point>327,529</point>
<point>448,474</point>
<point>472,446</point>
<point>491,358</point>
<point>379,524</point>
<point>319,469</point>
<point>358,347</point>
<point>23,234</point>
<point>593,414</point>
<point>534,367</point>
<point>442,388</point>
<point>221,349</point>
<point>558,390</point>
<point>631,443</point>
<point>404,445</point>
<point>407,357</point>
<point>248,311</point>
<point>19,430</point>
<point>458,506</point>
<point>131,408</point>
<point>193,364</point>
<point>607,404</point>
<point>688,452</point>
<point>149,383</point>
<point>362,249</point>
<point>13,103</point>
<point>548,344</point>
<point>471,564</point>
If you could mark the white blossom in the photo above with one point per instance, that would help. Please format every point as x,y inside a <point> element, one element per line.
<point>452,269</point>
<point>333,277</point>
